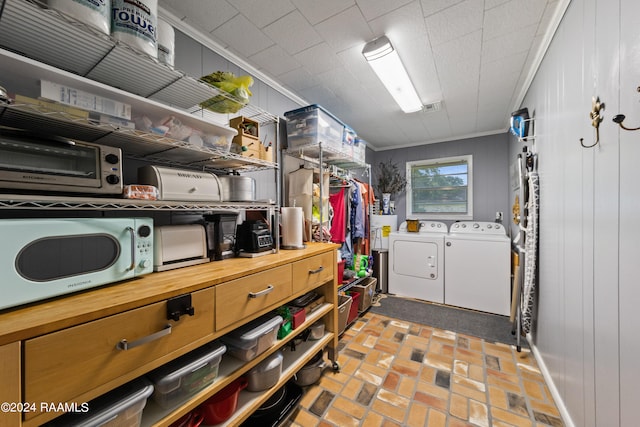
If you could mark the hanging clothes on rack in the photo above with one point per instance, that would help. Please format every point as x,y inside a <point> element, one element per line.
<point>339,221</point>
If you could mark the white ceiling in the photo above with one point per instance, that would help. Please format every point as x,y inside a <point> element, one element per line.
<point>477,56</point>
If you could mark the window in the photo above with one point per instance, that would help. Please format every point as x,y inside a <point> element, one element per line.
<point>440,188</point>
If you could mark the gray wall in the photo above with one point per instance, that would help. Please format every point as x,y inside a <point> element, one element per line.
<point>585,330</point>
<point>490,171</point>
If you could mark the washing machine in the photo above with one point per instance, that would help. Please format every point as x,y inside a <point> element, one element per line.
<point>416,261</point>
<point>477,267</point>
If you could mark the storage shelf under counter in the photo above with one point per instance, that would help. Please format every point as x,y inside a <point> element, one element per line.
<point>232,368</point>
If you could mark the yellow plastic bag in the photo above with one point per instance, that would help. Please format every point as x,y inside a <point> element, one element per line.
<point>237,87</point>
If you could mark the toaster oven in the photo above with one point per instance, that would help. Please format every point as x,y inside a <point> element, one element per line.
<point>31,161</point>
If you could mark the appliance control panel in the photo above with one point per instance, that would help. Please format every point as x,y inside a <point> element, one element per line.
<point>477,227</point>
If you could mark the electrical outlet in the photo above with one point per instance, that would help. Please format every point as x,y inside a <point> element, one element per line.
<point>499,216</point>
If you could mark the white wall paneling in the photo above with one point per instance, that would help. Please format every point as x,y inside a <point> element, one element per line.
<point>588,294</point>
<point>629,291</point>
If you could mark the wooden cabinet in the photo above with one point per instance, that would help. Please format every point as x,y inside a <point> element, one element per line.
<point>311,272</point>
<point>10,378</point>
<point>251,296</point>
<point>80,363</point>
<point>70,349</point>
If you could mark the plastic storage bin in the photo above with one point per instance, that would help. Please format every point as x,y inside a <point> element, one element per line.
<point>366,288</point>
<point>121,407</point>
<point>344,307</point>
<point>311,125</point>
<point>252,339</point>
<point>353,310</point>
<point>186,375</point>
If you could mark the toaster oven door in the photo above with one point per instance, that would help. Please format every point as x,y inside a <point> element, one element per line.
<point>36,164</point>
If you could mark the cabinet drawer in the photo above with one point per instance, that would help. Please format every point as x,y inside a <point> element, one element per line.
<point>240,298</point>
<point>314,271</point>
<point>63,365</point>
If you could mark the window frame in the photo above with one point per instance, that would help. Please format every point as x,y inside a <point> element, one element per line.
<point>468,158</point>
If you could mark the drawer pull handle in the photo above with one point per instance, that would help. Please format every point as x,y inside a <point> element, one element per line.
<point>261,293</point>
<point>317,270</point>
<point>126,345</point>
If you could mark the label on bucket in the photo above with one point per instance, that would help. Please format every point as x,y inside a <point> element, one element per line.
<point>90,12</point>
<point>135,23</point>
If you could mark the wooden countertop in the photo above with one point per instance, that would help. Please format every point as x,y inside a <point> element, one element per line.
<point>69,310</point>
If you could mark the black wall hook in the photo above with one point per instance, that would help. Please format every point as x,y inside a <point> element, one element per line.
<point>619,119</point>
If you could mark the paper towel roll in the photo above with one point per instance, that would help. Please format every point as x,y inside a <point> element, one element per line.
<point>292,226</point>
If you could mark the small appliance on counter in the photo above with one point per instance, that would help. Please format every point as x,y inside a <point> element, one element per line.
<point>178,246</point>
<point>253,238</point>
<point>181,184</point>
<point>42,258</point>
<point>221,235</point>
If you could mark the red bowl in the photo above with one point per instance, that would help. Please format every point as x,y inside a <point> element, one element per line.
<point>219,407</point>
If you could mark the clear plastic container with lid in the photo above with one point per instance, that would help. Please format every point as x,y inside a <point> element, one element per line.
<point>186,375</point>
<point>252,339</point>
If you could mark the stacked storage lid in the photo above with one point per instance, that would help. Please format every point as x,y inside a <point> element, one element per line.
<point>186,375</point>
<point>254,338</point>
<point>120,407</point>
<point>312,125</point>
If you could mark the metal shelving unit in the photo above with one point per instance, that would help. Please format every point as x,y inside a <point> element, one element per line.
<point>22,201</point>
<point>337,163</point>
<point>67,51</point>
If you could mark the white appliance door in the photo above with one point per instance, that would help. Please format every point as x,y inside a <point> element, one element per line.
<point>478,274</point>
<point>415,269</point>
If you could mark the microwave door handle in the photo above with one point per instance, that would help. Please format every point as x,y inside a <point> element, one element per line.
<point>133,248</point>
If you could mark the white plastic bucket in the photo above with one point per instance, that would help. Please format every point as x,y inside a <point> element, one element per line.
<point>95,13</point>
<point>135,23</point>
<point>166,43</point>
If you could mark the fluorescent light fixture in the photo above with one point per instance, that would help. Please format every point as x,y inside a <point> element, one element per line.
<point>386,63</point>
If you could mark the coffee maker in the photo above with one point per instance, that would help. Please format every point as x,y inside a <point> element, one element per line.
<point>253,236</point>
<point>221,235</point>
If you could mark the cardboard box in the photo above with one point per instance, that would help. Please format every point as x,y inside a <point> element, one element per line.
<point>85,100</point>
<point>45,106</point>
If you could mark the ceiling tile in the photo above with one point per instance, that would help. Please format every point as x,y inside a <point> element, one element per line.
<point>317,11</point>
<point>298,79</point>
<point>275,61</point>
<point>402,25</point>
<point>437,124</point>
<point>242,36</point>
<point>262,13</point>
<point>454,22</point>
<point>373,8</point>
<point>429,7</point>
<point>508,44</point>
<point>293,32</point>
<point>490,4</point>
<point>203,18</point>
<point>345,30</point>
<point>509,17</point>
<point>318,59</point>
<point>458,60</point>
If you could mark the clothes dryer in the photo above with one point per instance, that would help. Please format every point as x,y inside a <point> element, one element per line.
<point>416,261</point>
<point>477,267</point>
